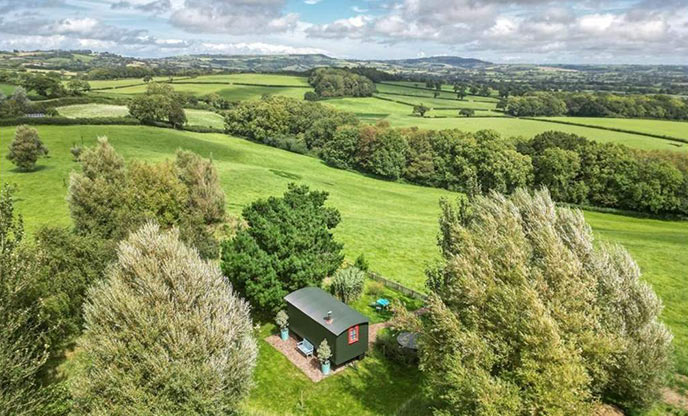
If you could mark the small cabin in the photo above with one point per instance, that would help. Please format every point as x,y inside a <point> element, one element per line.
<point>316,315</point>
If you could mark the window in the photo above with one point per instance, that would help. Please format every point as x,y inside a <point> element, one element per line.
<point>353,334</point>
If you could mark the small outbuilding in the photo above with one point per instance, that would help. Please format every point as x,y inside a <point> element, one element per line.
<point>315,315</point>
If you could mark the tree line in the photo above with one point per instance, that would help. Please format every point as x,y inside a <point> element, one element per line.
<point>598,105</point>
<point>575,169</point>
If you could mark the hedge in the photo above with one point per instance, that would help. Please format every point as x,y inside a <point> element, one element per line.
<point>63,121</point>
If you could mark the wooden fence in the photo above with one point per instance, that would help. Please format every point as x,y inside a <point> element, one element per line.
<point>398,287</point>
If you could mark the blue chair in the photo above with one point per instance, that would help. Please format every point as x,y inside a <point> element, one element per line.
<point>305,347</point>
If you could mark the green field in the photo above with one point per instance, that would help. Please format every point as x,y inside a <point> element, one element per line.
<point>227,91</point>
<point>7,89</point>
<point>394,224</point>
<point>399,115</point>
<point>93,110</point>
<point>203,118</point>
<point>662,127</point>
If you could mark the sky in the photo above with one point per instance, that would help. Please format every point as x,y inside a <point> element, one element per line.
<point>503,31</point>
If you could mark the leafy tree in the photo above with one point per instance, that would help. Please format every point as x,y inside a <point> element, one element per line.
<point>558,170</point>
<point>189,339</point>
<point>205,192</point>
<point>23,350</point>
<point>527,315</point>
<point>159,103</point>
<point>420,110</point>
<point>340,151</point>
<point>16,105</point>
<point>45,85</point>
<point>347,284</point>
<point>361,263</point>
<point>26,148</point>
<point>467,112</point>
<point>288,244</point>
<point>335,82</point>
<point>110,200</point>
<point>310,96</point>
<point>77,86</point>
<point>381,151</point>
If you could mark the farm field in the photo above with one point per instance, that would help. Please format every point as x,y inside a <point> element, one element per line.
<point>227,91</point>
<point>202,118</point>
<point>662,127</point>
<point>7,89</point>
<point>371,109</point>
<point>394,224</point>
<point>117,83</point>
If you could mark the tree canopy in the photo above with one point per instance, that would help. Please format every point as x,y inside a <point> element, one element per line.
<point>287,244</point>
<point>528,315</point>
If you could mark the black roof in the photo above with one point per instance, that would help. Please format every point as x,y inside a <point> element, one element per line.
<point>315,303</point>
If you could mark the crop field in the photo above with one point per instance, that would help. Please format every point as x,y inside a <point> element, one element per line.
<point>93,110</point>
<point>395,224</point>
<point>202,118</point>
<point>661,127</point>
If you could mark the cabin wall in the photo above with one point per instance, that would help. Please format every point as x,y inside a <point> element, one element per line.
<point>344,351</point>
<point>303,326</point>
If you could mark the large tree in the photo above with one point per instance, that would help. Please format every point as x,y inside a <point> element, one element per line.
<point>23,349</point>
<point>159,103</point>
<point>26,148</point>
<point>109,199</point>
<point>288,244</point>
<point>165,334</point>
<point>528,316</point>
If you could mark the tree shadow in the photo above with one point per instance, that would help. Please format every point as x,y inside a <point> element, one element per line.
<point>34,170</point>
<point>285,174</point>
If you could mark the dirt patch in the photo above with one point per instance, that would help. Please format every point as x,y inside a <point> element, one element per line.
<point>607,410</point>
<point>309,365</point>
<point>674,398</point>
<point>373,330</point>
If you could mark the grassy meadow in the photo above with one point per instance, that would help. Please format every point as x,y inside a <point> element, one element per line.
<point>203,118</point>
<point>662,127</point>
<point>394,224</point>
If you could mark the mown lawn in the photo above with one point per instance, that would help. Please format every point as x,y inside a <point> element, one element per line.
<point>7,89</point>
<point>394,224</point>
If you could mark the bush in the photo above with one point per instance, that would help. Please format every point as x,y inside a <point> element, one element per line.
<point>361,263</point>
<point>375,288</point>
<point>26,148</point>
<point>282,319</point>
<point>347,284</point>
<point>287,245</point>
<point>189,338</point>
<point>310,96</point>
<point>324,352</point>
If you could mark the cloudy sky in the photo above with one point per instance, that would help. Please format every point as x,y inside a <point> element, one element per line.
<point>509,31</point>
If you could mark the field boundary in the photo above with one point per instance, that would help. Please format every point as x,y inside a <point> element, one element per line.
<point>398,286</point>
<point>573,123</point>
<point>432,108</point>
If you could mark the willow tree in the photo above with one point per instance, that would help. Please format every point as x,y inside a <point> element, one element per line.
<point>164,334</point>
<point>527,315</point>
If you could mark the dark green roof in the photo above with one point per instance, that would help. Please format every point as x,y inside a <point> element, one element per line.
<point>315,303</point>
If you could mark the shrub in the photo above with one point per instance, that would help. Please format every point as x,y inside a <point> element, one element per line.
<point>26,148</point>
<point>324,352</point>
<point>282,319</point>
<point>287,245</point>
<point>188,336</point>
<point>376,289</point>
<point>347,284</point>
<point>310,96</point>
<point>76,152</point>
<point>361,262</point>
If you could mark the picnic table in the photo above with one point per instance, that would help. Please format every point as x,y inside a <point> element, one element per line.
<point>382,303</point>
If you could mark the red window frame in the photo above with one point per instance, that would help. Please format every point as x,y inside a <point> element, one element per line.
<point>353,334</point>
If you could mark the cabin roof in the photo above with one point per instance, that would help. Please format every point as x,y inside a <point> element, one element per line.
<point>315,303</point>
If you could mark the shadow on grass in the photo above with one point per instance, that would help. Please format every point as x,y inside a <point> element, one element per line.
<point>285,174</point>
<point>381,385</point>
<point>34,170</point>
